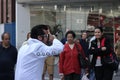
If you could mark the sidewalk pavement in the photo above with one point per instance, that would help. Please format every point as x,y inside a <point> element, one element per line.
<point>116,76</point>
<point>46,78</point>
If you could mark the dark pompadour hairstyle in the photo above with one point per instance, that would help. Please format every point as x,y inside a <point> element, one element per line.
<point>70,32</point>
<point>38,30</point>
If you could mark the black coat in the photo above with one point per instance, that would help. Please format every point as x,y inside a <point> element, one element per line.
<point>98,51</point>
<point>85,45</point>
<point>8,58</point>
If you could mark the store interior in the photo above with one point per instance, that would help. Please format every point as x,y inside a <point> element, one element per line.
<point>77,17</point>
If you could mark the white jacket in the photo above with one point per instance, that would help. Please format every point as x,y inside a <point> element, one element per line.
<point>31,58</point>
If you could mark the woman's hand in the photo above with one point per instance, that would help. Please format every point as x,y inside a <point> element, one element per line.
<point>103,48</point>
<point>92,48</point>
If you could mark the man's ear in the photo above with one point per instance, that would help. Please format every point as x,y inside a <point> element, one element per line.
<point>39,38</point>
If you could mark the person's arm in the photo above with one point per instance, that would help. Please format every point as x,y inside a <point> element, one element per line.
<point>15,57</point>
<point>92,47</point>
<point>106,49</point>
<point>103,50</point>
<point>117,44</point>
<point>61,63</point>
<point>82,51</point>
<point>93,38</point>
<point>55,49</point>
<point>15,53</point>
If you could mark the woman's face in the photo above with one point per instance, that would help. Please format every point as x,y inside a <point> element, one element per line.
<point>98,34</point>
<point>70,38</point>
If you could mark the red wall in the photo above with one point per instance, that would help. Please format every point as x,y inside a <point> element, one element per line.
<point>7,11</point>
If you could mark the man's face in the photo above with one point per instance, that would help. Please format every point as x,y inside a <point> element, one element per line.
<point>6,39</point>
<point>84,35</point>
<point>45,36</point>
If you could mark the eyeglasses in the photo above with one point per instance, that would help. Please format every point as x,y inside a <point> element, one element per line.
<point>46,35</point>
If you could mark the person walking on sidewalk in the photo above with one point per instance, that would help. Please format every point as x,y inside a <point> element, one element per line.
<point>8,58</point>
<point>102,70</point>
<point>69,67</point>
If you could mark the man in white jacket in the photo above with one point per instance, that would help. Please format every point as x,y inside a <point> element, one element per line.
<point>31,56</point>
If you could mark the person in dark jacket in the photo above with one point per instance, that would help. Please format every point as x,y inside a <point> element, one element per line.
<point>63,40</point>
<point>8,58</point>
<point>102,71</point>
<point>85,44</point>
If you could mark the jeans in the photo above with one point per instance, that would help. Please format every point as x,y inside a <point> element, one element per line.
<point>92,75</point>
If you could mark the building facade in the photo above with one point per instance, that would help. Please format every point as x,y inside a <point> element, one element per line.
<point>76,15</point>
<point>7,18</point>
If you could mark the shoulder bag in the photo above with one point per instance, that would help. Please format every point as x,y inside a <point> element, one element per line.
<point>84,63</point>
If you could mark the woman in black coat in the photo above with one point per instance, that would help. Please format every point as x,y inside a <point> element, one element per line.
<point>102,71</point>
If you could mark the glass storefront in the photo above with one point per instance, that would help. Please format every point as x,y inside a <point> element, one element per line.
<point>77,17</point>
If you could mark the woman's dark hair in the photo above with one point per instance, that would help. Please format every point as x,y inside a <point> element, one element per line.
<point>100,28</point>
<point>38,31</point>
<point>70,32</point>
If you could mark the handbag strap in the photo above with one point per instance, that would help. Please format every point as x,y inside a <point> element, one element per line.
<point>77,46</point>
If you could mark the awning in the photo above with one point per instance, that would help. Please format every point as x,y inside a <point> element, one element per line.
<point>58,2</point>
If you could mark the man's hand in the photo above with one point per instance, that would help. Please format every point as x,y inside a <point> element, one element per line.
<point>51,38</point>
<point>61,75</point>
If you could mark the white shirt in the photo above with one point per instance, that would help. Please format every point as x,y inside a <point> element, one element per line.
<point>93,38</point>
<point>31,58</point>
<point>71,46</point>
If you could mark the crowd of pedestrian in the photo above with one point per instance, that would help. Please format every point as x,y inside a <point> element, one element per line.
<point>36,56</point>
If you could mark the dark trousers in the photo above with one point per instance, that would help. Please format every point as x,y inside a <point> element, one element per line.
<point>103,73</point>
<point>72,76</point>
